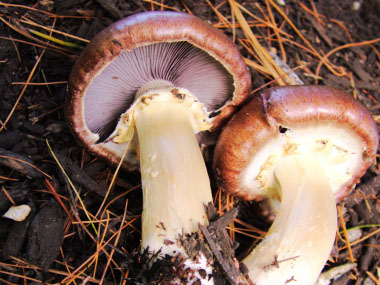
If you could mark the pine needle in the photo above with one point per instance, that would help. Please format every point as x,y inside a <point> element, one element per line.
<point>265,59</point>
<point>343,224</point>
<point>116,172</point>
<point>55,40</point>
<point>72,185</point>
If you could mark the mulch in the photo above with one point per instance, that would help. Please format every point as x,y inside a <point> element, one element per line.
<point>56,243</point>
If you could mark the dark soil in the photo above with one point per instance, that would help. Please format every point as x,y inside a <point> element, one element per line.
<point>50,243</point>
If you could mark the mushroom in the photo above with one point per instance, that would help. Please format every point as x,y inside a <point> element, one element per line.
<point>156,80</point>
<point>302,148</point>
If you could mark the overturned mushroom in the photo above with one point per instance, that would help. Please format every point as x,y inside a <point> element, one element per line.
<point>302,148</point>
<point>168,76</point>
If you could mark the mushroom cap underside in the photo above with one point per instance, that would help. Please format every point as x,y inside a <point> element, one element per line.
<point>167,30</point>
<point>293,120</point>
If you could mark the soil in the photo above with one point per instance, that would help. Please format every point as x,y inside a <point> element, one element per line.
<point>54,242</point>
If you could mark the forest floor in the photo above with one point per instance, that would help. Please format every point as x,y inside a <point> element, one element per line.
<point>334,43</point>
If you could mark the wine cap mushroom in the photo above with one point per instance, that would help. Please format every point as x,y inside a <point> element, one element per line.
<point>155,80</point>
<point>304,147</point>
<point>143,50</point>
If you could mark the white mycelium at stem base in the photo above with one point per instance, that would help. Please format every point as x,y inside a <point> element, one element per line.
<point>175,182</point>
<point>300,239</point>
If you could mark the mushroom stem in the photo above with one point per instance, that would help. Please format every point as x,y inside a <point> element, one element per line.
<point>301,237</point>
<point>175,182</point>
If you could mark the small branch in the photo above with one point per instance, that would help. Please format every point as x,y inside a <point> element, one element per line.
<point>221,245</point>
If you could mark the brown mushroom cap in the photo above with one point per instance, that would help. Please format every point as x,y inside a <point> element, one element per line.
<point>271,114</point>
<point>141,31</point>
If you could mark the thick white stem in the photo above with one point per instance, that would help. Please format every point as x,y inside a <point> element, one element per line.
<point>300,239</point>
<point>175,182</point>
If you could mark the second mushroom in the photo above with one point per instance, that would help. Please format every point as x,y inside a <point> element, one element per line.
<point>302,148</point>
